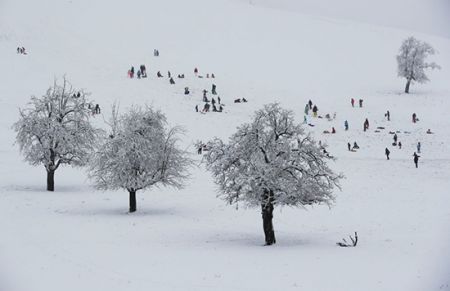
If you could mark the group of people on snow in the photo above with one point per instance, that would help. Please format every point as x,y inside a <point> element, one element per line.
<point>21,50</point>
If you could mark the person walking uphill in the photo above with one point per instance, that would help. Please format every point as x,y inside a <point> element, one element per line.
<point>416,159</point>
<point>387,152</point>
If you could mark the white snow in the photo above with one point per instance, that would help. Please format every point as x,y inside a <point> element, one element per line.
<point>80,239</point>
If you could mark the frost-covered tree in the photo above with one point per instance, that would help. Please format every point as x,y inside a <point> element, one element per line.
<point>411,61</point>
<point>270,162</point>
<point>139,152</point>
<point>54,129</point>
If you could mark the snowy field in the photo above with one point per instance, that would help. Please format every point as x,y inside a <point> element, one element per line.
<point>81,239</point>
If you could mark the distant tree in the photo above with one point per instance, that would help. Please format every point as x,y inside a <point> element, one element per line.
<point>271,162</point>
<point>411,61</point>
<point>54,129</point>
<point>138,153</point>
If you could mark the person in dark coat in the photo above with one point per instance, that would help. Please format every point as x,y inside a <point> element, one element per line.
<point>213,101</point>
<point>355,146</point>
<point>416,159</point>
<point>218,99</point>
<point>159,75</point>
<point>196,108</point>
<point>352,102</point>
<point>388,115</point>
<point>387,152</point>
<point>418,147</point>
<point>414,118</point>
<point>395,138</point>
<point>172,81</point>
<point>168,74</point>
<point>186,91</point>
<point>360,103</point>
<point>399,145</point>
<point>349,146</point>
<point>244,100</point>
<point>366,124</point>
<point>346,125</point>
<point>213,89</point>
<point>196,71</point>
<point>314,110</point>
<point>310,104</point>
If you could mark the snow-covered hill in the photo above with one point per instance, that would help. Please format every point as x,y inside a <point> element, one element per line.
<point>265,51</point>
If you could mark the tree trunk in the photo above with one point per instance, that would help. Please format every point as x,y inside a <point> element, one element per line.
<point>267,215</point>
<point>407,86</point>
<point>50,180</point>
<point>132,200</point>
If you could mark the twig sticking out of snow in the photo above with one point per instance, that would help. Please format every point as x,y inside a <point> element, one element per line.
<point>347,244</point>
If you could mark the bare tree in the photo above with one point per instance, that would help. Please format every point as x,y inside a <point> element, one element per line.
<point>138,153</point>
<point>54,129</point>
<point>411,61</point>
<point>269,162</point>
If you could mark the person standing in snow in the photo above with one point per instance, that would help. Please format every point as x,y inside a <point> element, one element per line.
<point>169,75</point>
<point>414,118</point>
<point>310,104</point>
<point>306,109</point>
<point>353,102</point>
<point>366,124</point>
<point>196,108</point>
<point>213,89</point>
<point>399,145</point>
<point>387,152</point>
<point>346,125</point>
<point>349,146</point>
<point>196,72</point>
<point>388,115</point>
<point>159,75</point>
<point>172,82</point>
<point>314,110</point>
<point>360,103</point>
<point>418,147</point>
<point>218,99</point>
<point>395,138</point>
<point>186,91</point>
<point>416,159</point>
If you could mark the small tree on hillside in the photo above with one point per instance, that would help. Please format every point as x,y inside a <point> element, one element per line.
<point>139,152</point>
<point>411,61</point>
<point>271,162</point>
<point>55,129</point>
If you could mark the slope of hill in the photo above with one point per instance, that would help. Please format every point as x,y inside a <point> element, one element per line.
<point>80,239</point>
